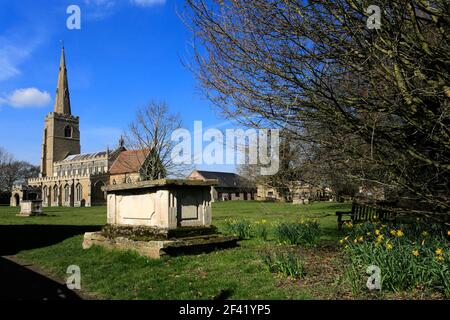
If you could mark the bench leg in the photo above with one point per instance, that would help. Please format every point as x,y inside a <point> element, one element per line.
<point>339,222</point>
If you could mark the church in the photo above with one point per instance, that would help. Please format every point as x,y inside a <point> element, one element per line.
<point>67,177</point>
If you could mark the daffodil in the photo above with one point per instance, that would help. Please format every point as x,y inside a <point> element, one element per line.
<point>377,232</point>
<point>415,253</point>
<point>448,233</point>
<point>263,221</point>
<point>440,258</point>
<point>361,238</point>
<point>389,246</point>
<point>400,233</point>
<point>393,232</point>
<point>341,241</point>
<point>439,251</point>
<point>425,234</point>
<point>355,241</point>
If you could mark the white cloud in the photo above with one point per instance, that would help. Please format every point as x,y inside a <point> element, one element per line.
<point>147,3</point>
<point>10,57</point>
<point>27,97</point>
<point>15,50</point>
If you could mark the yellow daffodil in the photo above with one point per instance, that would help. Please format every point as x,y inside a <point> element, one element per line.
<point>400,233</point>
<point>389,246</point>
<point>380,238</point>
<point>377,232</point>
<point>341,241</point>
<point>393,232</point>
<point>360,239</point>
<point>264,221</point>
<point>439,251</point>
<point>346,238</point>
<point>415,253</point>
<point>368,233</point>
<point>448,233</point>
<point>440,258</point>
<point>355,241</point>
<point>425,234</point>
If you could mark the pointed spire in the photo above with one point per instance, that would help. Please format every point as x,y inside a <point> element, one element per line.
<point>62,99</point>
<point>121,142</point>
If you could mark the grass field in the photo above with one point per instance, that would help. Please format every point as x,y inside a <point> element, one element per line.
<point>54,242</point>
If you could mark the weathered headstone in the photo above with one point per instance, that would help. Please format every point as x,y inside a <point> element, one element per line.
<point>159,217</point>
<point>30,208</point>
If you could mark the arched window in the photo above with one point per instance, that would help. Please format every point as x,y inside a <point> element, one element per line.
<point>78,192</point>
<point>55,193</point>
<point>66,193</point>
<point>45,194</point>
<point>68,131</point>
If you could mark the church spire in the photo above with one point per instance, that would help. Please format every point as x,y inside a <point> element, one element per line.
<point>62,100</point>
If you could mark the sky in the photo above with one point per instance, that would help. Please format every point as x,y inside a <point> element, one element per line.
<point>127,53</point>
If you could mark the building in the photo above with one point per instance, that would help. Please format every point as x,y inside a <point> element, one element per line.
<point>231,186</point>
<point>67,177</point>
<point>297,192</point>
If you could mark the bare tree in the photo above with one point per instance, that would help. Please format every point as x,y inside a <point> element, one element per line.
<point>13,171</point>
<point>150,135</point>
<point>374,102</point>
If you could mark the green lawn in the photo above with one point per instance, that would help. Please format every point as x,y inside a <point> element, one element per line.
<point>54,243</point>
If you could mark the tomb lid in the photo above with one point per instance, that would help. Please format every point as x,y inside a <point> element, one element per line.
<point>161,183</point>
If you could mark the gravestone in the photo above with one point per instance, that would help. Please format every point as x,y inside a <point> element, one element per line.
<point>160,217</point>
<point>30,208</point>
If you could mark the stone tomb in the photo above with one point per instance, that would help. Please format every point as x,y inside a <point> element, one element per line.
<point>153,218</point>
<point>30,208</point>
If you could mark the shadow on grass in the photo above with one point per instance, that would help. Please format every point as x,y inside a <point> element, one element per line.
<point>22,283</point>
<point>15,238</point>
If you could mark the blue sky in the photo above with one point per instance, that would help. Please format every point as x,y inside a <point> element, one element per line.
<point>126,53</point>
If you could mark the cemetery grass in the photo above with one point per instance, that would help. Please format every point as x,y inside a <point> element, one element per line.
<point>237,273</point>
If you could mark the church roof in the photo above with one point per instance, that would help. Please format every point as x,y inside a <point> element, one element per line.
<point>226,179</point>
<point>85,156</point>
<point>129,161</point>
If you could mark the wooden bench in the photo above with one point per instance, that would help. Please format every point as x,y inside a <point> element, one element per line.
<point>362,213</point>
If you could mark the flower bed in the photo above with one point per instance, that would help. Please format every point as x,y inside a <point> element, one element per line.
<point>415,256</point>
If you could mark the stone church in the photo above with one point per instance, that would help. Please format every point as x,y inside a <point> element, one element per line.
<point>67,177</point>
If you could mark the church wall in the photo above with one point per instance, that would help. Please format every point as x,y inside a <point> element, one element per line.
<point>124,178</point>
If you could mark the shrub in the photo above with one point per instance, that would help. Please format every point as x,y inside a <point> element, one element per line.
<point>297,233</point>
<point>240,229</point>
<point>409,256</point>
<point>287,263</point>
<point>260,230</point>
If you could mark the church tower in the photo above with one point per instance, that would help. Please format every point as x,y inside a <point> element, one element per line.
<point>61,136</point>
